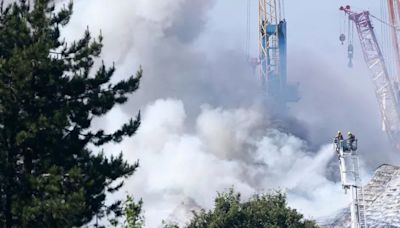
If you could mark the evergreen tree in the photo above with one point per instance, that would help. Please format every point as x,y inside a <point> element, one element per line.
<point>261,211</point>
<point>49,96</point>
<point>132,214</point>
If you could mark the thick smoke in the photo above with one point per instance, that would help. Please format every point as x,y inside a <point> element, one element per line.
<point>227,148</point>
<point>165,37</point>
<point>212,134</point>
<point>189,151</point>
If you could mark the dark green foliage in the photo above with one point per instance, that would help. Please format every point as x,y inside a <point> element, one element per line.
<point>49,95</point>
<point>169,225</point>
<point>133,213</point>
<point>268,210</point>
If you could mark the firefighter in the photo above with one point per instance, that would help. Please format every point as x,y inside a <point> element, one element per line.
<point>351,139</point>
<point>338,137</point>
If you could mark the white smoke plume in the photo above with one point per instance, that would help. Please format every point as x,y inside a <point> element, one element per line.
<point>227,148</point>
<point>166,38</point>
<point>188,151</point>
<point>191,51</point>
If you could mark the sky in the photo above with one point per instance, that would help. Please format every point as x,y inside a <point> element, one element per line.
<point>204,128</point>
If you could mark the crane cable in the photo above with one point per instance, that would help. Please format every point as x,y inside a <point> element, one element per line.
<point>387,51</point>
<point>383,22</point>
<point>248,18</point>
<point>342,28</point>
<point>350,31</point>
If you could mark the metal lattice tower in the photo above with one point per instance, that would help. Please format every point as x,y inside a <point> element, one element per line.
<point>393,7</point>
<point>346,151</point>
<point>384,86</point>
<point>272,52</point>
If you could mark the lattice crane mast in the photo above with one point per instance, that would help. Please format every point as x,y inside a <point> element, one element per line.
<point>272,46</point>
<point>393,7</point>
<point>384,86</point>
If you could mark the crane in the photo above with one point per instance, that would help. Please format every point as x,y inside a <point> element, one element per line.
<point>272,58</point>
<point>386,89</point>
<point>394,17</point>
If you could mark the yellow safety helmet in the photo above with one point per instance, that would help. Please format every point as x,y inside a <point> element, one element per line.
<point>349,133</point>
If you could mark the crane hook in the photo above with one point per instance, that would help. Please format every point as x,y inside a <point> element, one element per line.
<point>342,38</point>
<point>350,51</point>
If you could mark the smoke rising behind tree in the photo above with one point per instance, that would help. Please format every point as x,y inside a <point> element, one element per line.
<point>206,129</point>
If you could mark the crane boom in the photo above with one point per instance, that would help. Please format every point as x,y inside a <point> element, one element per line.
<point>387,98</point>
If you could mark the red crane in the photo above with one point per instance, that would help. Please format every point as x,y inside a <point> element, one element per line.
<point>386,86</point>
<point>394,16</point>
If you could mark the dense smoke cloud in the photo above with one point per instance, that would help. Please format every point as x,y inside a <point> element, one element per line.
<point>189,151</point>
<point>163,37</point>
<point>227,148</point>
<point>213,133</point>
